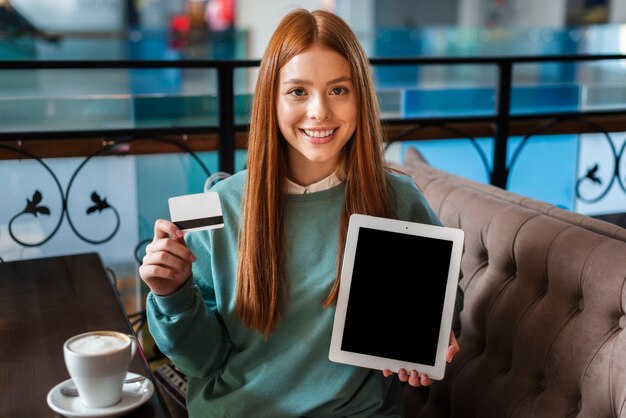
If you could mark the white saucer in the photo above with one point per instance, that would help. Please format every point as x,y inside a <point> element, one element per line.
<point>71,407</point>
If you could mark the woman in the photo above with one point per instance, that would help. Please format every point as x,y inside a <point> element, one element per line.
<point>252,328</point>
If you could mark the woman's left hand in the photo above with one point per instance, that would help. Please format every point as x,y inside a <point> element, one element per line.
<point>414,378</point>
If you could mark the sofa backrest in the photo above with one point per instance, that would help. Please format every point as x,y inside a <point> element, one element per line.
<point>545,301</point>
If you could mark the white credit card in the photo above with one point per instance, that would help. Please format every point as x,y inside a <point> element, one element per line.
<point>196,212</point>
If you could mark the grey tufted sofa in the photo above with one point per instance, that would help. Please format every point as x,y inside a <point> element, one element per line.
<point>545,295</point>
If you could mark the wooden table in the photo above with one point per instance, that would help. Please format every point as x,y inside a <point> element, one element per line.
<point>43,302</point>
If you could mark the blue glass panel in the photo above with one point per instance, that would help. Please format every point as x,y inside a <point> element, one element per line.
<point>480,101</point>
<point>540,99</point>
<point>397,43</point>
<point>459,41</point>
<point>152,45</point>
<point>162,176</point>
<point>165,81</point>
<point>55,114</point>
<point>457,156</point>
<point>175,111</point>
<point>545,169</point>
<point>243,108</point>
<point>449,102</point>
<point>18,49</point>
<point>536,173</point>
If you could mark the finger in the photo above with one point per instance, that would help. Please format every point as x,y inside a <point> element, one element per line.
<point>173,247</point>
<point>403,375</point>
<point>453,348</point>
<point>425,380</point>
<point>414,379</point>
<point>150,272</point>
<point>163,229</point>
<point>165,259</point>
<point>387,372</point>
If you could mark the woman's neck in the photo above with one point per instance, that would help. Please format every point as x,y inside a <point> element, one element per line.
<point>305,178</point>
<point>305,173</point>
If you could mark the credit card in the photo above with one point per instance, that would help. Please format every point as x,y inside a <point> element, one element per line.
<point>196,212</point>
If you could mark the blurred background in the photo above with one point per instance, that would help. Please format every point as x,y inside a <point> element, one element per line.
<point>109,107</point>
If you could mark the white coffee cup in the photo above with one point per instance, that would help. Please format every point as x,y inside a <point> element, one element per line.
<point>98,362</point>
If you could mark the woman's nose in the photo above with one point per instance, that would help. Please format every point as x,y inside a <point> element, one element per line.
<point>319,109</point>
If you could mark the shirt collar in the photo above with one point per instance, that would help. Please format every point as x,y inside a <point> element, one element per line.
<point>323,184</point>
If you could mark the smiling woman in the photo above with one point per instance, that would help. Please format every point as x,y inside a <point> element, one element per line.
<point>246,311</point>
<point>316,112</point>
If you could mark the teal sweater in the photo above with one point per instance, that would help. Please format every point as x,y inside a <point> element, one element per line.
<point>233,371</point>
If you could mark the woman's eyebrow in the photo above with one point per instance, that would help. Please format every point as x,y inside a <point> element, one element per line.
<point>297,81</point>
<point>308,83</point>
<point>340,79</point>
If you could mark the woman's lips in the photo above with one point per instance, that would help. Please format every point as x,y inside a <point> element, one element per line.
<point>319,136</point>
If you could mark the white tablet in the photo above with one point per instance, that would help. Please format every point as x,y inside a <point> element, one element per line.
<point>396,299</point>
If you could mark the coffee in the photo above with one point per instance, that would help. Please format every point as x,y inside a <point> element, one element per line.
<point>94,344</point>
<point>98,362</point>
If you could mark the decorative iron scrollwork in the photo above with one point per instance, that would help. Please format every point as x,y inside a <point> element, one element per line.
<point>405,135</point>
<point>33,205</point>
<point>36,205</point>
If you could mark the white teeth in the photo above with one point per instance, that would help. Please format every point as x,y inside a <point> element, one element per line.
<point>319,134</point>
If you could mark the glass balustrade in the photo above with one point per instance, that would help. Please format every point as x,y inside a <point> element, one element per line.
<point>112,202</point>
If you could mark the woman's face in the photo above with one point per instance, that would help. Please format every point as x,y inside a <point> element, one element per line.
<point>316,109</point>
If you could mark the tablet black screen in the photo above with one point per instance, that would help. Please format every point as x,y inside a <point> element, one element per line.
<point>396,296</point>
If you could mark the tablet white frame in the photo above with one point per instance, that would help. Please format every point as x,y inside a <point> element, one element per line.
<point>357,221</point>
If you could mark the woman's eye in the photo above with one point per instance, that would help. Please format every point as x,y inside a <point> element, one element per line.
<point>339,90</point>
<point>297,92</point>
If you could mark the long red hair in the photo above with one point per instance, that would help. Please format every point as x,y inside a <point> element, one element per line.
<point>261,276</point>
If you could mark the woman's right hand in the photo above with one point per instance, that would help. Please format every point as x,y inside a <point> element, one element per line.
<point>167,263</point>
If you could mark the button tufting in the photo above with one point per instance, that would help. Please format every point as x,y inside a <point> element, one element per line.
<point>622,322</point>
<point>543,384</point>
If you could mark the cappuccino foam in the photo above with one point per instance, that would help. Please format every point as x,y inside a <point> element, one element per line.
<point>97,344</point>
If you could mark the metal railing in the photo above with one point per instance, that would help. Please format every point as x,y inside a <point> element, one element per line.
<point>501,124</point>
<point>501,120</point>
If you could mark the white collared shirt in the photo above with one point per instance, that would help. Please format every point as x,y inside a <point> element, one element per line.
<point>323,184</point>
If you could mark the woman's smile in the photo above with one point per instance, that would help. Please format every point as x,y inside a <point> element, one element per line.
<point>319,136</point>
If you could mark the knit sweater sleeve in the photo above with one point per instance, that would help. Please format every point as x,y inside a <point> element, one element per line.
<point>190,326</point>
<point>185,326</point>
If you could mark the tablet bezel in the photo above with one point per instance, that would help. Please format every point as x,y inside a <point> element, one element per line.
<point>456,236</point>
